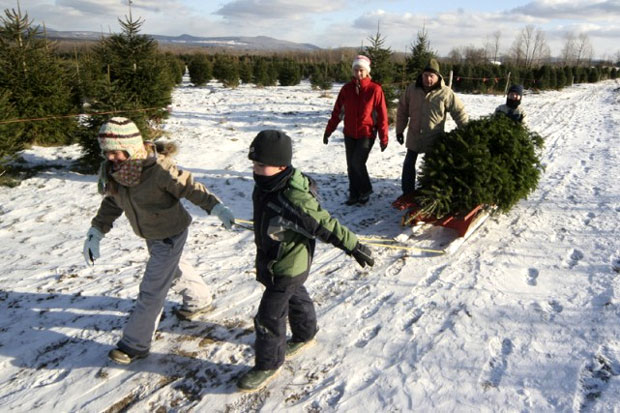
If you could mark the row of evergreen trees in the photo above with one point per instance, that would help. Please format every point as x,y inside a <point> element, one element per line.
<point>125,74</point>
<point>42,90</point>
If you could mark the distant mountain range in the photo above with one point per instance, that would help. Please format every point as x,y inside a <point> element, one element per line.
<point>258,43</point>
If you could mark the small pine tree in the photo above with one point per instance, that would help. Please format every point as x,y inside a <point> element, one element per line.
<point>492,160</point>
<point>11,140</point>
<point>421,53</point>
<point>264,73</point>
<point>200,70</point>
<point>245,71</point>
<point>319,79</point>
<point>289,73</point>
<point>37,81</point>
<point>130,78</point>
<point>382,67</point>
<point>226,70</point>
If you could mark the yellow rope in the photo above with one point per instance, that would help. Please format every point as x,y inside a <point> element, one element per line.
<point>375,242</point>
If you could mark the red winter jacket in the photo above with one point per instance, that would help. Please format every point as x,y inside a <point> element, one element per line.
<point>364,113</point>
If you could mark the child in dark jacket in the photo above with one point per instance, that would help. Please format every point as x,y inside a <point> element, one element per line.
<point>512,107</point>
<point>287,221</point>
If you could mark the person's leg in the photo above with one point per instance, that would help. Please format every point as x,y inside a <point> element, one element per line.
<point>360,157</point>
<point>194,291</point>
<point>350,145</point>
<point>270,326</point>
<point>408,176</point>
<point>160,271</point>
<point>301,315</point>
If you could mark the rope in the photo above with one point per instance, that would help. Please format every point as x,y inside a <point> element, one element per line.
<point>373,241</point>
<point>4,122</point>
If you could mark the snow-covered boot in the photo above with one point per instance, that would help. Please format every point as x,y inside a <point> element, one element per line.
<point>255,379</point>
<point>126,357</point>
<point>190,315</point>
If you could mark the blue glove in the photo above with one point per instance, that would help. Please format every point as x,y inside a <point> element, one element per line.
<point>91,245</point>
<point>224,214</point>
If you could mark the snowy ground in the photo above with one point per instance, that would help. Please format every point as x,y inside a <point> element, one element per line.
<point>525,317</point>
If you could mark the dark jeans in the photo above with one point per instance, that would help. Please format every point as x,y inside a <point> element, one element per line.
<point>357,155</point>
<point>270,322</point>
<point>408,177</point>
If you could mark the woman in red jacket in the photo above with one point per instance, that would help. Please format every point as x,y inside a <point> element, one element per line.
<point>361,103</point>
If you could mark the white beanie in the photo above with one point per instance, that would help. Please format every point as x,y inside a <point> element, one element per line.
<point>361,61</point>
<point>120,134</point>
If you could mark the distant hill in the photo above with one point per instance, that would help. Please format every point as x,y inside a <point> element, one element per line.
<point>258,43</point>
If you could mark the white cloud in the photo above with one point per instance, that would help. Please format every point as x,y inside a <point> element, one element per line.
<point>276,9</point>
<point>562,9</point>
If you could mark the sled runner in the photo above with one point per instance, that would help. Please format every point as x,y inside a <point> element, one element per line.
<point>446,234</point>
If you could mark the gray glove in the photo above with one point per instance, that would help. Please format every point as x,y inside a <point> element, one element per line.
<point>363,255</point>
<point>91,245</point>
<point>224,214</point>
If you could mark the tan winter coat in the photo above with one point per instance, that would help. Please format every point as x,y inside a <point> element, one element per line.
<point>426,114</point>
<point>153,207</point>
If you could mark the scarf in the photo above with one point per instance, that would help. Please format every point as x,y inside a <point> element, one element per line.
<point>273,182</point>
<point>127,173</point>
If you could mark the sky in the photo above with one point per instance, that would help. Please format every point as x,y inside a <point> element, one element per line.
<point>338,23</point>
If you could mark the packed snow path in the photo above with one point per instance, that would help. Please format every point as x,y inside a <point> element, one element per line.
<point>524,317</point>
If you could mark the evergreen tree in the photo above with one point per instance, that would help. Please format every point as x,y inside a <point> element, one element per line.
<point>11,140</point>
<point>492,160</point>
<point>264,73</point>
<point>319,79</point>
<point>37,82</point>
<point>421,53</point>
<point>593,75</point>
<point>226,70</point>
<point>289,73</point>
<point>245,70</point>
<point>560,77</point>
<point>381,65</point>
<point>200,70</point>
<point>129,78</point>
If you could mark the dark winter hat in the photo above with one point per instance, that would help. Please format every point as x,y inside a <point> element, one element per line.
<point>518,89</point>
<point>432,66</point>
<point>272,147</point>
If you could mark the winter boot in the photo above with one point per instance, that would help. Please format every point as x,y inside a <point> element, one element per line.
<point>126,357</point>
<point>295,347</point>
<point>189,315</point>
<point>255,379</point>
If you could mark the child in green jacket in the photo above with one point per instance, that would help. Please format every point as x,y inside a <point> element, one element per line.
<point>287,221</point>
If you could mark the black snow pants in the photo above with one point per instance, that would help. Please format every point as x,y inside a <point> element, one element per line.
<point>357,154</point>
<point>280,301</point>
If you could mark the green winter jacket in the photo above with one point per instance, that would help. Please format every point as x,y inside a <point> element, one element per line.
<point>287,221</point>
<point>153,207</point>
<point>426,114</point>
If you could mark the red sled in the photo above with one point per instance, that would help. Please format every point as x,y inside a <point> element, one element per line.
<point>462,223</point>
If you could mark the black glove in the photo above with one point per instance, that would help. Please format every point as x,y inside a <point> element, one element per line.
<point>383,146</point>
<point>326,138</point>
<point>400,138</point>
<point>363,255</point>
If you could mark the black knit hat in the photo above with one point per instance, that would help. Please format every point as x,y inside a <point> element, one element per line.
<point>518,89</point>
<point>272,147</point>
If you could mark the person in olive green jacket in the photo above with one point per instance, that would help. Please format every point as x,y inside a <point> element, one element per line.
<point>424,107</point>
<point>147,186</point>
<point>287,221</point>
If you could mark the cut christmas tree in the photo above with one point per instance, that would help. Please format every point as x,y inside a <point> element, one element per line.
<point>486,166</point>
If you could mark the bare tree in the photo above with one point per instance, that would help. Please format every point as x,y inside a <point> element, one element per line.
<point>568,51</point>
<point>474,55</point>
<point>456,55</point>
<point>530,47</point>
<point>583,50</point>
<point>492,45</point>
